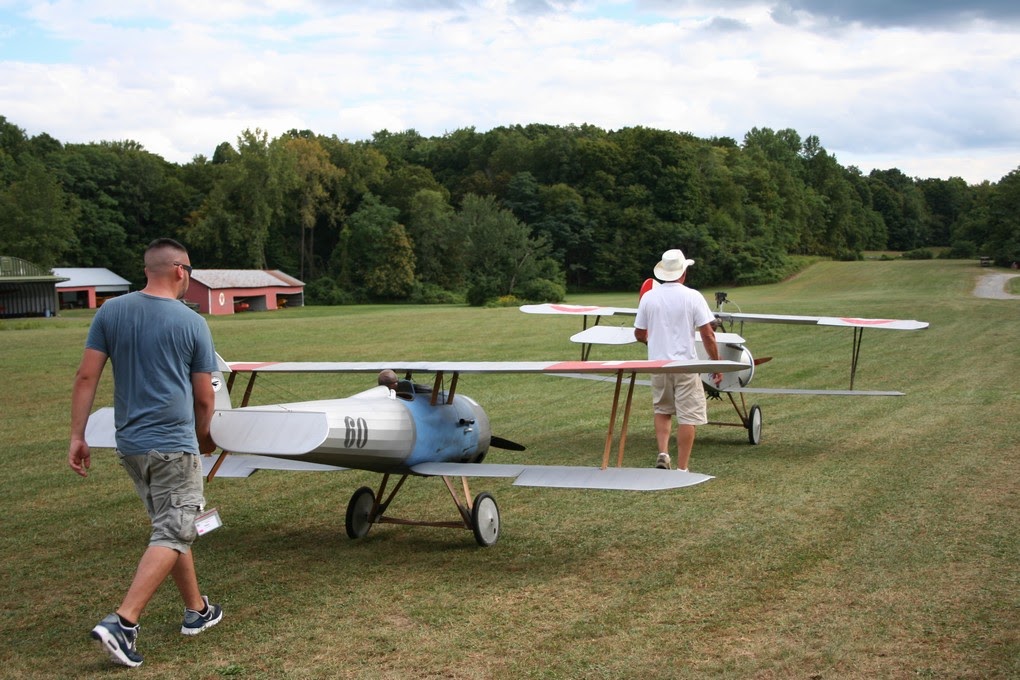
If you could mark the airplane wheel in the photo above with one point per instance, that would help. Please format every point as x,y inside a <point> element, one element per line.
<point>359,512</point>
<point>754,425</point>
<point>485,520</point>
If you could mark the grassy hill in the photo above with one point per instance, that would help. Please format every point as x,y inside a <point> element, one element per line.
<point>865,537</point>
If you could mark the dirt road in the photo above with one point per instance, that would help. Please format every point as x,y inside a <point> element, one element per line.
<point>994,286</point>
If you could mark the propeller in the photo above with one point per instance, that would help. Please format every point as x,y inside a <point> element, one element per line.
<point>501,443</point>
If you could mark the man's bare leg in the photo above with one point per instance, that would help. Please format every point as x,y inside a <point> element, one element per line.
<point>663,427</point>
<point>684,445</point>
<point>156,564</point>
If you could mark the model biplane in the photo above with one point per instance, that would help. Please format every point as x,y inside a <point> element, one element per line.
<point>430,432</point>
<point>732,347</point>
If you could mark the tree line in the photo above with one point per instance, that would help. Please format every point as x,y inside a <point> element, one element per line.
<point>526,212</point>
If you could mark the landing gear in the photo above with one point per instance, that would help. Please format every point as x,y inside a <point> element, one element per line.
<point>359,512</point>
<point>750,418</point>
<point>481,517</point>
<point>754,425</point>
<point>485,520</point>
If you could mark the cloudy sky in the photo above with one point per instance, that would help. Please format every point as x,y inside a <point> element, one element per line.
<point>931,87</point>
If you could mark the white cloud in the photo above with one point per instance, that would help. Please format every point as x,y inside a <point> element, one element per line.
<point>181,77</point>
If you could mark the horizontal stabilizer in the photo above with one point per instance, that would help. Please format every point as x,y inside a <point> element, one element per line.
<point>605,335</point>
<point>269,432</point>
<point>100,431</point>
<point>570,477</point>
<point>624,335</point>
<point>239,465</point>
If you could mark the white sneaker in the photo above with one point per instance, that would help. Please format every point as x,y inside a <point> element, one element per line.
<point>662,462</point>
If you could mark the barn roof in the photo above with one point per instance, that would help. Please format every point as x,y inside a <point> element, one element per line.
<point>100,277</point>
<point>16,269</point>
<point>244,278</point>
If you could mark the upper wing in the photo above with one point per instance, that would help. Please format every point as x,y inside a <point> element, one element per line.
<point>622,366</point>
<point>595,310</point>
<point>576,310</point>
<point>569,477</point>
<point>849,322</point>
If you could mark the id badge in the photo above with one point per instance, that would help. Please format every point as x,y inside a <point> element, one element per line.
<point>208,521</point>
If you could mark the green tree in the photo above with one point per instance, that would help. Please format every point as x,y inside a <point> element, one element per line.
<point>91,173</point>
<point>903,208</point>
<point>13,142</point>
<point>439,249</point>
<point>502,258</point>
<point>1003,242</point>
<point>376,258</point>
<point>313,197</point>
<point>36,217</point>
<point>948,200</point>
<point>234,224</point>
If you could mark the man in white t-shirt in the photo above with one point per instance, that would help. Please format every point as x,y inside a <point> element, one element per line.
<point>666,318</point>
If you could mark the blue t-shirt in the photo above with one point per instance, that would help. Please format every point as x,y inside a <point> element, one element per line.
<point>154,344</point>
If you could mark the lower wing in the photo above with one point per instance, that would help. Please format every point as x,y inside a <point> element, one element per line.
<point>570,477</point>
<point>550,476</point>
<point>244,465</point>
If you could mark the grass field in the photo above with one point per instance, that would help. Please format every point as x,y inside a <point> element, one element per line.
<point>865,537</point>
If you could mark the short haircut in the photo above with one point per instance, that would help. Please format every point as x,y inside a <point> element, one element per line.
<point>159,251</point>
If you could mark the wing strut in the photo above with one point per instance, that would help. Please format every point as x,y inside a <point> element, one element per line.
<point>855,353</point>
<point>612,420</point>
<point>586,347</point>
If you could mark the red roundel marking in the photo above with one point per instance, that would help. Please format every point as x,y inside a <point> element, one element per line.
<point>252,366</point>
<point>645,287</point>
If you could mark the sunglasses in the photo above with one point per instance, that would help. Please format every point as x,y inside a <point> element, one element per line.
<point>185,267</point>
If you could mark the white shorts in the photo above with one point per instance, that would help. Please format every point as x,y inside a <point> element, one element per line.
<point>680,394</point>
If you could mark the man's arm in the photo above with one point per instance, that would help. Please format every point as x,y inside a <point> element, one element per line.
<point>83,394</point>
<point>711,348</point>
<point>641,335</point>
<point>205,404</point>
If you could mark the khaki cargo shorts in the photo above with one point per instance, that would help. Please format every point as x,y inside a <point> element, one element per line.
<point>171,486</point>
<point>681,394</point>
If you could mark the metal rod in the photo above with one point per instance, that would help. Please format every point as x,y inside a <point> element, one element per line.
<point>464,515</point>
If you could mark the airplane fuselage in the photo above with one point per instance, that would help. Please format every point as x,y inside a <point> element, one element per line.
<point>372,430</point>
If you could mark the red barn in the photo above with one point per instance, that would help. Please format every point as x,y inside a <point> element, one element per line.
<point>88,287</point>
<point>226,291</point>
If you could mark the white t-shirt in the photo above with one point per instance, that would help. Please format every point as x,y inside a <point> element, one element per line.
<point>671,313</point>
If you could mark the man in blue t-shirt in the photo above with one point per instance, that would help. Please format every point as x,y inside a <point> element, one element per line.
<point>163,359</point>
<point>666,319</point>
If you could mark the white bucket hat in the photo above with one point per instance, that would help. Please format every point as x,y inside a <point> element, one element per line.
<point>672,266</point>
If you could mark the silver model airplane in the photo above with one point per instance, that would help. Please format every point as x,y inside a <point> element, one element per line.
<point>732,347</point>
<point>430,432</point>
